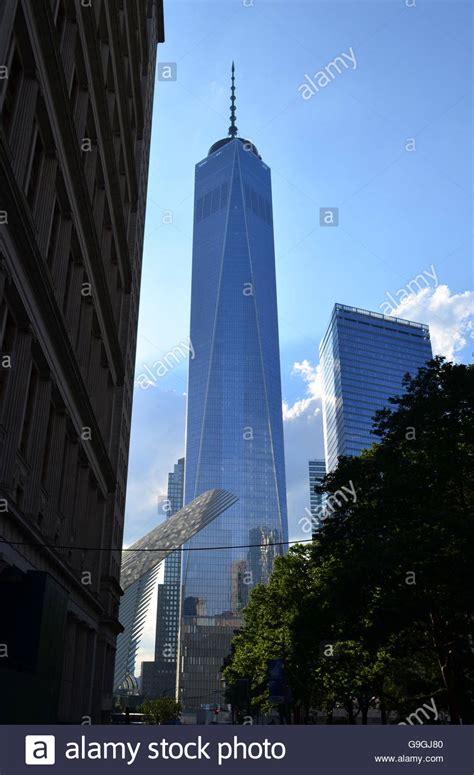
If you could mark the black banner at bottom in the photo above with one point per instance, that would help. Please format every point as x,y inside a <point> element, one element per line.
<point>229,749</point>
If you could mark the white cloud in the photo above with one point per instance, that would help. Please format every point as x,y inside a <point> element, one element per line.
<point>312,377</point>
<point>303,442</point>
<point>446,313</point>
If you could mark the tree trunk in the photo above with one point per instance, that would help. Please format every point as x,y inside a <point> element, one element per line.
<point>449,670</point>
<point>364,709</point>
<point>306,708</point>
<point>350,711</point>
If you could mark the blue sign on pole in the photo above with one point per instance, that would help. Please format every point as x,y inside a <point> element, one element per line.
<point>276,681</point>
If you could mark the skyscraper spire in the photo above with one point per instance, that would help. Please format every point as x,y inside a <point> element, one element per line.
<point>233,133</point>
<point>233,127</point>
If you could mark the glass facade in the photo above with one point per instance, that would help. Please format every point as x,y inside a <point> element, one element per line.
<point>159,677</point>
<point>364,356</point>
<point>234,422</point>
<point>139,570</point>
<point>317,471</point>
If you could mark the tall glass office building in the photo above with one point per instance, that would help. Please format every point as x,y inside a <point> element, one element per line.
<point>364,356</point>
<point>159,677</point>
<point>234,421</point>
<point>317,472</point>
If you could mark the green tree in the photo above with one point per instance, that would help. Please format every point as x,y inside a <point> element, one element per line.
<point>161,710</point>
<point>388,581</point>
<point>414,516</point>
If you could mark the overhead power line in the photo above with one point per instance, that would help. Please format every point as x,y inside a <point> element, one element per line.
<point>156,549</point>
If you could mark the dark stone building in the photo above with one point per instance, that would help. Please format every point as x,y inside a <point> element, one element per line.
<point>76,98</point>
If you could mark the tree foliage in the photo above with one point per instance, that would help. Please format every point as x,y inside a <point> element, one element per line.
<point>161,710</point>
<point>379,608</point>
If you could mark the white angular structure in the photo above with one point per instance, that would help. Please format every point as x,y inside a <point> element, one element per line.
<point>140,566</point>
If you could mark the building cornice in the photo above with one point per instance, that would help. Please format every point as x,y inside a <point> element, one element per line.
<point>160,22</point>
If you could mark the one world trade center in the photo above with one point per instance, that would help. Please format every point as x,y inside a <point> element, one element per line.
<point>234,429</point>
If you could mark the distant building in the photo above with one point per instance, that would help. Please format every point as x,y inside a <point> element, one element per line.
<point>364,356</point>
<point>239,587</point>
<point>176,487</point>
<point>264,547</point>
<point>75,128</point>
<point>140,565</point>
<point>159,676</point>
<point>317,472</point>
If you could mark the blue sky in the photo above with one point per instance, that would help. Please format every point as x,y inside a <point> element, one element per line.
<point>387,141</point>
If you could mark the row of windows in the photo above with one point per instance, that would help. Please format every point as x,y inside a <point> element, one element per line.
<point>390,340</point>
<point>60,447</point>
<point>375,357</point>
<point>258,204</point>
<point>392,328</point>
<point>56,236</point>
<point>55,200</point>
<point>211,202</point>
<point>334,431</point>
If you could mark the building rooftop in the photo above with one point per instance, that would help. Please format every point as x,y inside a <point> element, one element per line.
<point>422,327</point>
<point>379,315</point>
